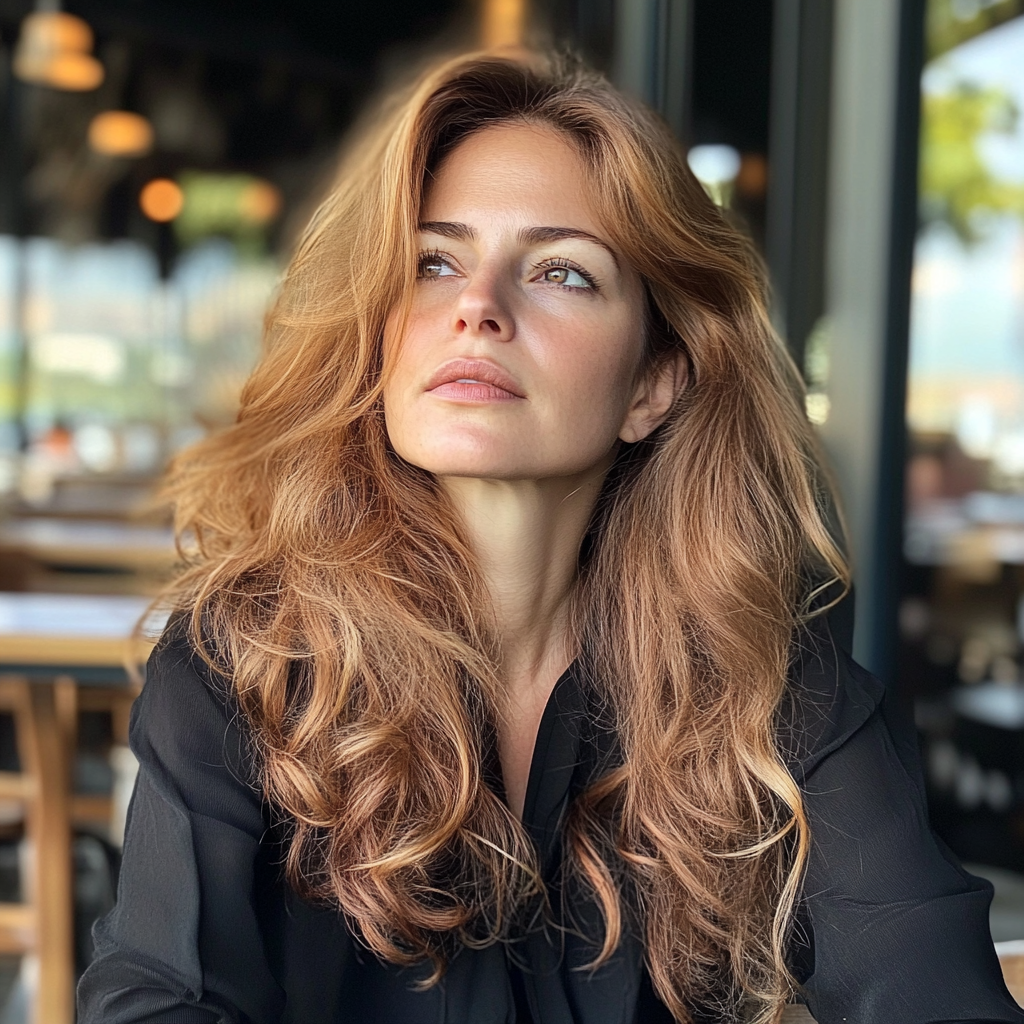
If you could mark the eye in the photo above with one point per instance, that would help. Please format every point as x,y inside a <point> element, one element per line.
<point>434,264</point>
<point>566,275</point>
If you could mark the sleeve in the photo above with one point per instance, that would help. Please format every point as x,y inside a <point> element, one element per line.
<point>183,943</point>
<point>899,932</point>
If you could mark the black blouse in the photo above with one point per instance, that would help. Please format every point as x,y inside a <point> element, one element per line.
<point>890,930</point>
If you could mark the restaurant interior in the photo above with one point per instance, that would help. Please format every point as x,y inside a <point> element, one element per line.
<point>157,161</point>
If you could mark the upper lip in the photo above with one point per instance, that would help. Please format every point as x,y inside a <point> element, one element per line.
<point>474,369</point>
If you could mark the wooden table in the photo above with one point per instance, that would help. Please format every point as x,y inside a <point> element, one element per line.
<point>50,644</point>
<point>1011,956</point>
<point>90,543</point>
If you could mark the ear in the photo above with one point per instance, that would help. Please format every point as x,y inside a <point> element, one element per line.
<point>653,397</point>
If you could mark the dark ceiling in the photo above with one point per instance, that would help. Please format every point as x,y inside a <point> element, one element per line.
<point>335,39</point>
<point>732,72</point>
<point>263,87</point>
<point>270,87</point>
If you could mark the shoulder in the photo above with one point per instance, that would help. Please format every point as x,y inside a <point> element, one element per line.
<point>179,682</point>
<point>176,658</point>
<point>829,697</point>
<point>186,714</point>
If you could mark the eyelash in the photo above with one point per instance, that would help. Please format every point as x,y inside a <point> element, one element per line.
<point>558,262</point>
<point>431,255</point>
<point>552,263</point>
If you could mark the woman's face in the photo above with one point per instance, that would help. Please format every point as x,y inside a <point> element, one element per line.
<point>520,354</point>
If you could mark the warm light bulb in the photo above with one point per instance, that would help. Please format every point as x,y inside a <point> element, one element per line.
<point>259,202</point>
<point>120,133</point>
<point>503,23</point>
<point>74,72</point>
<point>752,179</point>
<point>56,32</point>
<point>161,200</point>
<point>54,50</point>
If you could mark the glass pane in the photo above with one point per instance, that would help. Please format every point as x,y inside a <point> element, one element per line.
<point>121,368</point>
<point>962,616</point>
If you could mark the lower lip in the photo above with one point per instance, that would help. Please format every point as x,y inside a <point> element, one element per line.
<point>473,392</point>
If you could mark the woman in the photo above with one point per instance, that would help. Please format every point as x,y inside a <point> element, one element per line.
<point>500,688</point>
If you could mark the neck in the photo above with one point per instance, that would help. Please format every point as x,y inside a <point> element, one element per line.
<point>526,536</point>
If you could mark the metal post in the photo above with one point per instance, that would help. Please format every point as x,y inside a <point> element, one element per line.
<point>652,56</point>
<point>875,110</point>
<point>798,157</point>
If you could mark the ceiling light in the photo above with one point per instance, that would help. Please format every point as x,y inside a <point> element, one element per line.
<point>161,200</point>
<point>54,49</point>
<point>120,133</point>
<point>715,167</point>
<point>504,23</point>
<point>74,72</point>
<point>260,202</point>
<point>714,164</point>
<point>56,31</point>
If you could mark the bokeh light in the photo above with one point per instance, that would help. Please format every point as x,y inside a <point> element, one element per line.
<point>55,50</point>
<point>120,133</point>
<point>713,165</point>
<point>260,202</point>
<point>161,200</point>
<point>56,31</point>
<point>503,23</point>
<point>75,72</point>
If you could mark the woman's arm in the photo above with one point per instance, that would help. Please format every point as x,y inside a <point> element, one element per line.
<point>900,931</point>
<point>183,944</point>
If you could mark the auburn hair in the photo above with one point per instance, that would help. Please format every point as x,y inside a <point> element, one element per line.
<point>333,585</point>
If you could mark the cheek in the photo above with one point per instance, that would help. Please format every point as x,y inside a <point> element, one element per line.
<point>408,339</point>
<point>403,348</point>
<point>392,361</point>
<point>399,367</point>
<point>410,351</point>
<point>598,366</point>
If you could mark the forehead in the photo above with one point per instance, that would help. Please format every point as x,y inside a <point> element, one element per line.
<point>521,171</point>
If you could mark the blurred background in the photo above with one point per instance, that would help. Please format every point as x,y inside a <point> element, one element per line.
<point>157,160</point>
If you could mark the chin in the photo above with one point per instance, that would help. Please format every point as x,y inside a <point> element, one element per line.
<point>494,466</point>
<point>474,466</point>
<point>466,454</point>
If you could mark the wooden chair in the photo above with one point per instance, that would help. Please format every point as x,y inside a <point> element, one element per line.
<point>58,638</point>
<point>42,925</point>
<point>87,809</point>
<point>1011,956</point>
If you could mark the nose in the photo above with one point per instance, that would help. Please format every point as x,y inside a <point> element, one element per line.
<point>481,311</point>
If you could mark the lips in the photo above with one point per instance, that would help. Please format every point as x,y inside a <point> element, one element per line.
<point>475,380</point>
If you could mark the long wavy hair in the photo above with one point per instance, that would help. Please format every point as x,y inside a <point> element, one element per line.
<point>333,585</point>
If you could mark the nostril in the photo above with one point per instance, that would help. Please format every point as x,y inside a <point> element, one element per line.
<point>491,325</point>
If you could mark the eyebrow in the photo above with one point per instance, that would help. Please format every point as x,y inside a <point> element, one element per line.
<point>528,236</point>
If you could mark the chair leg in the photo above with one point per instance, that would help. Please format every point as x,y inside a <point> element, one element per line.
<point>66,702</point>
<point>50,836</point>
